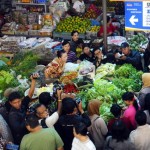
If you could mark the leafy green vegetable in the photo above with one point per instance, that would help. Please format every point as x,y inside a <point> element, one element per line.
<point>125,71</point>
<point>7,80</point>
<point>24,63</point>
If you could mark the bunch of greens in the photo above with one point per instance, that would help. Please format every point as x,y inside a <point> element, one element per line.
<point>24,63</point>
<point>7,80</point>
<point>126,71</point>
<point>128,78</point>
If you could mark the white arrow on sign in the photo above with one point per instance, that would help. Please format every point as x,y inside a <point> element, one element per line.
<point>133,20</point>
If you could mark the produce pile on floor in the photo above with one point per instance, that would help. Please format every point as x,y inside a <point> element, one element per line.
<point>108,85</point>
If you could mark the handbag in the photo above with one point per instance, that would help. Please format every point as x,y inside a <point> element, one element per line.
<point>107,146</point>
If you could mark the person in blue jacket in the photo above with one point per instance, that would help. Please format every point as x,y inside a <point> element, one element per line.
<point>129,56</point>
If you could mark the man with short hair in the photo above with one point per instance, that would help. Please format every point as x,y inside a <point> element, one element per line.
<point>39,138</point>
<point>70,117</point>
<point>18,111</point>
<point>140,137</point>
<point>129,56</point>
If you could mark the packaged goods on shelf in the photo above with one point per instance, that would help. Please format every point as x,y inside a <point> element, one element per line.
<point>11,44</point>
<point>29,43</point>
<point>48,19</point>
<point>45,32</point>
<point>33,32</point>
<point>8,28</point>
<point>63,4</point>
<point>32,18</point>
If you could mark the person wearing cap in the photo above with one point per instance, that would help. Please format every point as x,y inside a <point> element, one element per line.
<point>129,56</point>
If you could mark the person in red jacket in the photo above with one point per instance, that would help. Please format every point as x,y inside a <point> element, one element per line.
<point>110,28</point>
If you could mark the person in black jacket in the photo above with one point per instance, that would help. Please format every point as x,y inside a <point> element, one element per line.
<point>75,41</point>
<point>18,111</point>
<point>129,56</point>
<point>70,117</point>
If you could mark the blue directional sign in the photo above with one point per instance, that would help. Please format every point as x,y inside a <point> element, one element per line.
<point>137,16</point>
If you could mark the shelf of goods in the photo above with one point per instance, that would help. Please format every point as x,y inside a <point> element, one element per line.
<point>35,4</point>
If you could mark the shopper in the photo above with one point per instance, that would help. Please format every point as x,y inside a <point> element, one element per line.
<point>147,108</point>
<point>18,111</point>
<point>71,55</point>
<point>56,67</point>
<point>129,56</point>
<point>70,117</point>
<point>145,89</point>
<point>87,54</point>
<point>132,107</point>
<point>45,119</point>
<point>147,57</point>
<point>38,138</point>
<point>98,128</point>
<point>140,137</point>
<point>75,41</point>
<point>110,29</point>
<point>99,57</point>
<point>119,139</point>
<point>5,131</point>
<point>81,140</point>
<point>117,111</point>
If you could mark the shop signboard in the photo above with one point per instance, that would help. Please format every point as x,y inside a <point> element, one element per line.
<point>137,16</point>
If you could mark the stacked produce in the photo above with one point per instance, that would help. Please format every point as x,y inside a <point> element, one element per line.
<point>105,69</point>
<point>94,29</point>
<point>137,41</point>
<point>73,23</point>
<point>92,12</point>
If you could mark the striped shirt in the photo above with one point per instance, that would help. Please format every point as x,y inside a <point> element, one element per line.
<point>71,57</point>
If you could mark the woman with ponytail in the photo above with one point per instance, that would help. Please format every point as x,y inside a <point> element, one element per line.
<point>132,108</point>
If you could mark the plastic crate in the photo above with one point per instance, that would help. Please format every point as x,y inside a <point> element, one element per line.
<point>41,1</point>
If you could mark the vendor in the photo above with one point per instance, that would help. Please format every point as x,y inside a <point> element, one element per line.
<point>87,54</point>
<point>111,30</point>
<point>75,41</point>
<point>99,57</point>
<point>56,67</point>
<point>129,56</point>
<point>71,55</point>
<point>79,7</point>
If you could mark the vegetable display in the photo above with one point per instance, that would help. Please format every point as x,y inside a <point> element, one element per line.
<point>137,41</point>
<point>124,78</point>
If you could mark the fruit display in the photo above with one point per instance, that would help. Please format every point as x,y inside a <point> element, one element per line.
<point>94,29</point>
<point>137,41</point>
<point>73,23</point>
<point>92,12</point>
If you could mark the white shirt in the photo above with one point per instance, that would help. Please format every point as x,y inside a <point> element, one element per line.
<point>141,137</point>
<point>78,145</point>
<point>79,6</point>
<point>51,120</point>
